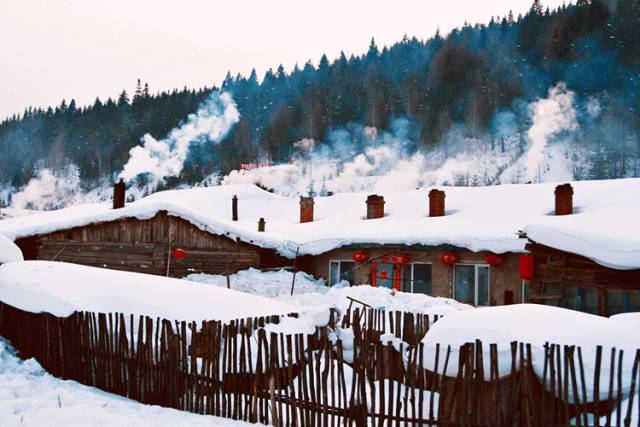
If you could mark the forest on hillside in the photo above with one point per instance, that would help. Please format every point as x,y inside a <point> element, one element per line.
<point>464,81</point>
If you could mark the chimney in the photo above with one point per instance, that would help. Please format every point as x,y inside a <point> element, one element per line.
<point>436,202</point>
<point>306,209</point>
<point>375,206</point>
<point>261,225</point>
<point>118,194</point>
<point>234,208</point>
<point>564,199</point>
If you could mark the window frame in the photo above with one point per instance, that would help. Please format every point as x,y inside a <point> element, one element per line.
<point>475,280</point>
<point>339,261</point>
<point>411,280</point>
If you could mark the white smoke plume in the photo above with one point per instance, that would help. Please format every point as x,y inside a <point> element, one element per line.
<point>49,189</point>
<point>551,115</point>
<point>164,158</point>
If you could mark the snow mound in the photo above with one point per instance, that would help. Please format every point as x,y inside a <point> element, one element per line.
<point>311,292</point>
<point>9,252</point>
<point>534,324</point>
<point>31,397</point>
<point>61,288</point>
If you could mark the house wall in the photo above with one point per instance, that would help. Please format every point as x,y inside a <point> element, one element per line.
<point>145,245</point>
<point>503,278</point>
<point>573,281</point>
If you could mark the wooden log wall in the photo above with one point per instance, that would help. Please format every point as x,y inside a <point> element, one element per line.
<point>553,266</point>
<point>238,371</point>
<point>145,246</point>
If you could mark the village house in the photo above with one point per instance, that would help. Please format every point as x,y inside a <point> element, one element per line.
<point>458,242</point>
<point>587,262</point>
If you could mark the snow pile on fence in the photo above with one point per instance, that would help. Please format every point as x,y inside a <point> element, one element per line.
<point>311,292</point>
<point>9,252</point>
<point>536,325</point>
<point>477,218</point>
<point>61,289</point>
<point>31,397</point>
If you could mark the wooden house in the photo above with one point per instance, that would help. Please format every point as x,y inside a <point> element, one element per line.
<point>573,281</point>
<point>164,244</point>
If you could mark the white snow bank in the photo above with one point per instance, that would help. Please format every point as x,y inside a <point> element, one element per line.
<point>9,252</point>
<point>310,292</point>
<point>630,318</point>
<point>537,325</point>
<point>61,288</point>
<point>478,218</point>
<point>31,397</point>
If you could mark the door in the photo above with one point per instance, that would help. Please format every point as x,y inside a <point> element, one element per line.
<point>385,276</point>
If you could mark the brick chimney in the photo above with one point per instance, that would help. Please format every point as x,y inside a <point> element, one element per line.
<point>564,199</point>
<point>234,208</point>
<point>306,209</point>
<point>261,224</point>
<point>436,202</point>
<point>119,190</point>
<point>375,206</point>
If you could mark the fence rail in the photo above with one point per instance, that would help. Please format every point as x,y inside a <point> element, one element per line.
<point>237,370</point>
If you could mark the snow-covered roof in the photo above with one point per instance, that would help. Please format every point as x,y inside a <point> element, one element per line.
<point>477,218</point>
<point>62,288</point>
<point>9,252</point>
<point>606,227</point>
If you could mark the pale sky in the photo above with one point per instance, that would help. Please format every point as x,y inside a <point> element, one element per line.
<point>55,49</point>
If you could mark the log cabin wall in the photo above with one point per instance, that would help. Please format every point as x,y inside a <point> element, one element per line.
<point>505,285</point>
<point>145,245</point>
<point>573,281</point>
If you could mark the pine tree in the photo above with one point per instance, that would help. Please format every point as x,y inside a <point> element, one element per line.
<point>137,96</point>
<point>123,98</point>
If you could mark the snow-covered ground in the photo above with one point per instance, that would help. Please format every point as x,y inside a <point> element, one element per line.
<point>311,292</point>
<point>31,397</point>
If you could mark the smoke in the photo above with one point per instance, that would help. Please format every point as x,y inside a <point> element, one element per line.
<point>551,115</point>
<point>164,158</point>
<point>49,189</point>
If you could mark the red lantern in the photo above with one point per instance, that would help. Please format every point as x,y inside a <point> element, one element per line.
<point>449,258</point>
<point>384,275</point>
<point>494,260</point>
<point>400,259</point>
<point>179,253</point>
<point>360,256</point>
<point>527,264</point>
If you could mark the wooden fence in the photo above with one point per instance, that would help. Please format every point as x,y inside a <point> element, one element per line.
<point>237,370</point>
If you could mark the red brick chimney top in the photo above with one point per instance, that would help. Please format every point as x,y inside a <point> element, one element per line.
<point>306,209</point>
<point>375,206</point>
<point>564,199</point>
<point>436,202</point>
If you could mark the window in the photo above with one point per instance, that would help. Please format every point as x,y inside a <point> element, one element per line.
<point>416,278</point>
<point>580,299</point>
<point>622,302</point>
<point>471,284</point>
<point>341,270</point>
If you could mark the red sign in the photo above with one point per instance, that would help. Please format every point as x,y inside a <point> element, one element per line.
<point>527,264</point>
